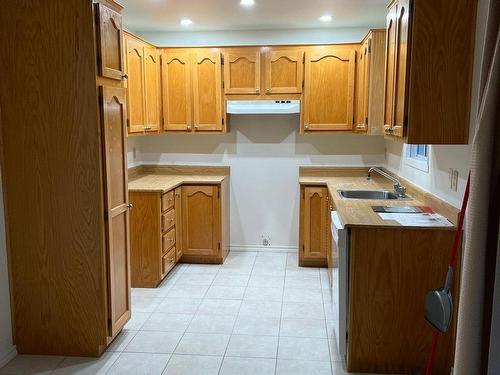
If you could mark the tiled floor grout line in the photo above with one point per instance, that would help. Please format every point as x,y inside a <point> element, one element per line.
<point>237,314</point>
<point>281,317</point>
<point>326,325</point>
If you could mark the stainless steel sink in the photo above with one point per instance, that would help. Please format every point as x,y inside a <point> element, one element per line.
<point>371,194</point>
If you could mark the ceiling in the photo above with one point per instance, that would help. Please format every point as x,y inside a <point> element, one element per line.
<point>218,15</point>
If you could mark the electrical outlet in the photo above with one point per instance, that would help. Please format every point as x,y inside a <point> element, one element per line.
<point>266,240</point>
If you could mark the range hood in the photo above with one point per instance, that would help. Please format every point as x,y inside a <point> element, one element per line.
<point>248,107</point>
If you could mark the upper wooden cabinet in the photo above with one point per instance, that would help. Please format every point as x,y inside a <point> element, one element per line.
<point>242,73</point>
<point>369,99</point>
<point>176,91</point>
<point>328,102</point>
<point>283,71</point>
<point>207,91</point>
<point>109,42</point>
<point>152,88</point>
<point>143,86</point>
<point>192,91</point>
<point>428,47</point>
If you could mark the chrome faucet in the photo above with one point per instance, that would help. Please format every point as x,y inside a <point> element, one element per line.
<point>398,188</point>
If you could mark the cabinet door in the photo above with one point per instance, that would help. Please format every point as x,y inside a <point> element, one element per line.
<point>315,230</point>
<point>362,87</point>
<point>329,89</point>
<point>110,43</point>
<point>242,73</point>
<point>135,86</point>
<point>113,114</point>
<point>401,68</point>
<point>176,90</point>
<point>152,88</point>
<point>207,91</point>
<point>390,61</point>
<point>283,71</point>
<point>200,220</point>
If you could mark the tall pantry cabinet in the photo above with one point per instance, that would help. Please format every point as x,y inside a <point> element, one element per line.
<point>63,152</point>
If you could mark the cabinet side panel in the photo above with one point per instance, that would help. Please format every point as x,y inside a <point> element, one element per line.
<point>441,71</point>
<point>52,177</point>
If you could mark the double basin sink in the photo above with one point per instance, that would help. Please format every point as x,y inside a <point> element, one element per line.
<point>372,194</point>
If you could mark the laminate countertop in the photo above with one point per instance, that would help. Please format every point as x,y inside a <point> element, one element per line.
<point>359,212</point>
<point>161,183</point>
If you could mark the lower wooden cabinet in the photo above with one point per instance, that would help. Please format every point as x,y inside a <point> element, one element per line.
<point>314,232</point>
<point>188,224</point>
<point>153,223</point>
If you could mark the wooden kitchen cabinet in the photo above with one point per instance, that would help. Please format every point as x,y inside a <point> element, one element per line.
<point>428,47</point>
<point>242,72</point>
<point>328,102</point>
<point>284,71</point>
<point>143,86</point>
<point>207,92</point>
<point>314,231</point>
<point>113,126</point>
<point>369,100</point>
<point>67,213</point>
<point>109,42</point>
<point>176,89</point>
<point>201,222</point>
<point>154,238</point>
<point>152,88</point>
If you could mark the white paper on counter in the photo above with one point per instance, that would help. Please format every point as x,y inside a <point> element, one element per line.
<point>424,219</point>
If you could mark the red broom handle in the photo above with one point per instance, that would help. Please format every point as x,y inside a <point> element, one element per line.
<point>452,263</point>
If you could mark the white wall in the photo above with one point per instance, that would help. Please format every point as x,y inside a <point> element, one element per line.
<point>264,153</point>
<point>257,37</point>
<point>7,349</point>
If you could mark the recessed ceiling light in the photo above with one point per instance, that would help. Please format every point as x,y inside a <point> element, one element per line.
<point>325,18</point>
<point>247,3</point>
<point>186,21</point>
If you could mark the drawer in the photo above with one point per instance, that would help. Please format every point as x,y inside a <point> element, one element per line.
<point>168,240</point>
<point>167,201</point>
<point>168,220</point>
<point>168,261</point>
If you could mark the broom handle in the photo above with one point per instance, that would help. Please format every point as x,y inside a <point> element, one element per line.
<point>451,266</point>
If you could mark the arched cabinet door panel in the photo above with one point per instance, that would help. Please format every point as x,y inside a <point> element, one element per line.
<point>284,72</point>
<point>152,91</point>
<point>176,86</point>
<point>242,73</point>
<point>109,43</point>
<point>200,220</point>
<point>207,91</point>
<point>328,102</point>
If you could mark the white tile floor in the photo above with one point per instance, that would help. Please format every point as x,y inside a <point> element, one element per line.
<point>258,314</point>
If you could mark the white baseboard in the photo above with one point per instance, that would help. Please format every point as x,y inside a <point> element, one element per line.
<point>8,356</point>
<point>260,248</point>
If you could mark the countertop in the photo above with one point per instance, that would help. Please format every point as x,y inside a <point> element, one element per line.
<point>163,182</point>
<point>359,212</point>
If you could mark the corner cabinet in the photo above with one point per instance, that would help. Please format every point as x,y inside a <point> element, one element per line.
<point>192,92</point>
<point>314,231</point>
<point>328,101</point>
<point>369,100</point>
<point>201,224</point>
<point>143,86</point>
<point>425,103</point>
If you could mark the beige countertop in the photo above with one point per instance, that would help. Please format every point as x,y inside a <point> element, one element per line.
<point>163,182</point>
<point>359,212</point>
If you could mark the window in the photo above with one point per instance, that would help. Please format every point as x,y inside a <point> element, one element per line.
<point>417,156</point>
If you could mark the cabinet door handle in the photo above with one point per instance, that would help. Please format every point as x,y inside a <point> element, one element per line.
<point>130,206</point>
<point>257,90</point>
<point>306,126</point>
<point>268,90</point>
<point>124,76</point>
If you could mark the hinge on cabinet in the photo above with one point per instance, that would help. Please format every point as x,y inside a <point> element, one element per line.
<point>128,123</point>
<point>405,121</point>
<point>222,59</point>
<point>366,120</point>
<point>218,193</point>
<point>223,121</point>
<point>223,85</point>
<point>218,246</point>
<point>302,83</point>
<point>303,58</point>
<point>106,215</point>
<point>303,248</point>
